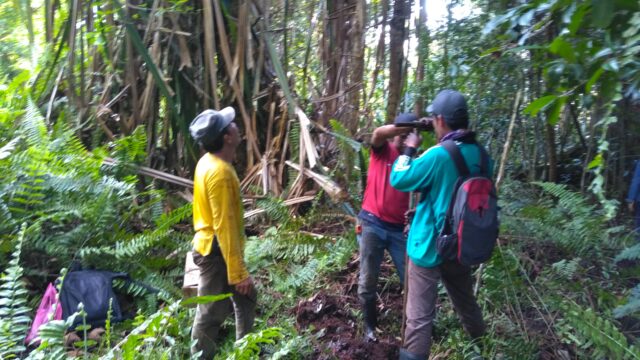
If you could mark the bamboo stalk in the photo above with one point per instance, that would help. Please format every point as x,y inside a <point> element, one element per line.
<point>210,49</point>
<point>507,144</point>
<point>252,146</point>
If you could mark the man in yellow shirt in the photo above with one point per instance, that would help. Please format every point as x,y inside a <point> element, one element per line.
<point>219,240</point>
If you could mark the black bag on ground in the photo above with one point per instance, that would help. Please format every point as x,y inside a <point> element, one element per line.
<point>94,289</point>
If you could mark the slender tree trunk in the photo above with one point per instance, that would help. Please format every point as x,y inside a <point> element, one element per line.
<point>380,56</point>
<point>356,70</point>
<point>343,59</point>
<point>48,20</point>
<point>550,139</point>
<point>397,35</point>
<point>423,54</point>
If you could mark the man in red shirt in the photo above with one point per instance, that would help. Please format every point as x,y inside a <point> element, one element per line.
<point>381,217</point>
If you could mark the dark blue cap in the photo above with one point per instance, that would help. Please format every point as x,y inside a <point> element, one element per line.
<point>452,106</point>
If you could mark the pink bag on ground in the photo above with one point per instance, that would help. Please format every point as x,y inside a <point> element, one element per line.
<point>45,310</point>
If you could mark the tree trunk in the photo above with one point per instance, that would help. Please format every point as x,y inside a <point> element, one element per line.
<point>356,68</point>
<point>550,139</point>
<point>423,54</point>
<point>397,35</point>
<point>343,59</point>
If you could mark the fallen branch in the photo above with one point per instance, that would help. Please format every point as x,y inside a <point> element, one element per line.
<point>335,192</point>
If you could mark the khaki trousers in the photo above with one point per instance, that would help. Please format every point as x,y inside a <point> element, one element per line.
<point>421,304</point>
<point>210,316</point>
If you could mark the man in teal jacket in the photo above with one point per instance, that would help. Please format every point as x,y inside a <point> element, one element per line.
<point>434,174</point>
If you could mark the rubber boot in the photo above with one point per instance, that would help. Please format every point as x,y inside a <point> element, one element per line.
<point>405,355</point>
<point>370,321</point>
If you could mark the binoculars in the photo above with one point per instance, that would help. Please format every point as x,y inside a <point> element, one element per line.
<point>422,124</point>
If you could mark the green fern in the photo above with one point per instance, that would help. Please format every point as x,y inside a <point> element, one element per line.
<point>601,335</point>
<point>249,347</point>
<point>275,209</point>
<point>14,313</point>
<point>52,345</point>
<point>566,269</point>
<point>300,275</point>
<point>571,221</point>
<point>631,253</point>
<point>33,127</point>
<point>631,307</point>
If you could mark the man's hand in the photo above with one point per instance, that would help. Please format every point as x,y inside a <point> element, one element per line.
<point>245,286</point>
<point>413,140</point>
<point>632,206</point>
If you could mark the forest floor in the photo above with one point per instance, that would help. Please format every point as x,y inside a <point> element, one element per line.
<point>336,310</point>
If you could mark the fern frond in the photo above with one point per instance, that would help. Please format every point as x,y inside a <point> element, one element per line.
<point>249,347</point>
<point>166,220</point>
<point>33,127</point>
<point>631,307</point>
<point>301,275</point>
<point>631,253</point>
<point>275,209</point>
<point>294,140</point>
<point>602,333</point>
<point>566,269</point>
<point>52,345</point>
<point>14,313</point>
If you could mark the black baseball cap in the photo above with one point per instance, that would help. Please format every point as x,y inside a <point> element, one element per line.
<point>405,118</point>
<point>452,106</point>
<point>209,124</point>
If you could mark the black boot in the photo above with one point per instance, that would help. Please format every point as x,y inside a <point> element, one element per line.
<point>370,315</point>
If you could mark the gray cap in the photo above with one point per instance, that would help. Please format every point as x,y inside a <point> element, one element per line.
<point>208,125</point>
<point>452,106</point>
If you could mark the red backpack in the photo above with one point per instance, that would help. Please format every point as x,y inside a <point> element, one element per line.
<point>471,225</point>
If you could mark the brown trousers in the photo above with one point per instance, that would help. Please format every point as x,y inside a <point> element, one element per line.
<point>209,317</point>
<point>421,304</point>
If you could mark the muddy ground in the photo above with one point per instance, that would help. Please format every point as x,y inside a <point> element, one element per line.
<point>333,316</point>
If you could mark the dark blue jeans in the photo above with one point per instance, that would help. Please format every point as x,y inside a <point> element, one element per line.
<point>373,241</point>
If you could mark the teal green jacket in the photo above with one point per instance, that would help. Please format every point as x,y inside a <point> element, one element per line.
<point>433,175</point>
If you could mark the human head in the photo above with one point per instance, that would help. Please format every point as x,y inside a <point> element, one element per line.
<point>398,140</point>
<point>210,127</point>
<point>452,106</point>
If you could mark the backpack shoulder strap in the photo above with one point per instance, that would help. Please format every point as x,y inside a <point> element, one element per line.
<point>454,152</point>
<point>484,161</point>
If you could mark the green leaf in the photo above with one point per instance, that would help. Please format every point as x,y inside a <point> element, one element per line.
<point>602,12</point>
<point>596,75</point>
<point>561,47</point>
<point>205,299</point>
<point>611,65</point>
<point>597,161</point>
<point>539,104</point>
<point>602,53</point>
<point>576,19</point>
<point>490,51</point>
<point>568,14</point>
<point>556,109</point>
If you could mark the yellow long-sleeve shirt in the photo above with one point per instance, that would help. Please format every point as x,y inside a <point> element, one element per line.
<point>217,211</point>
